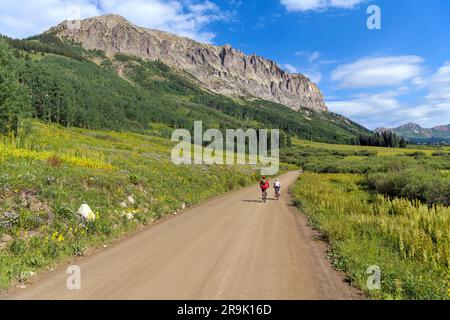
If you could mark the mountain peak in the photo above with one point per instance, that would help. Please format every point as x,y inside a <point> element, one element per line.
<point>221,69</point>
<point>112,16</point>
<point>416,132</point>
<point>110,21</point>
<point>411,126</point>
<point>442,128</point>
<point>114,19</point>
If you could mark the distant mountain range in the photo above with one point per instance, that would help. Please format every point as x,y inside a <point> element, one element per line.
<point>415,133</point>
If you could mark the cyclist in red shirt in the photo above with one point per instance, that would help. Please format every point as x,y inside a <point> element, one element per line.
<point>264,185</point>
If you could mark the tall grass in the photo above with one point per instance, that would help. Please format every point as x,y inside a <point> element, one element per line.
<point>408,240</point>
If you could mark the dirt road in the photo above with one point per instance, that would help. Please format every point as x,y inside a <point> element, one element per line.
<point>233,247</point>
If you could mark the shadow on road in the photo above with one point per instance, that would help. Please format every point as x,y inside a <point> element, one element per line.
<point>260,201</point>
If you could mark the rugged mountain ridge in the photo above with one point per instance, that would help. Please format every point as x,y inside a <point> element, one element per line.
<point>221,69</point>
<point>415,132</point>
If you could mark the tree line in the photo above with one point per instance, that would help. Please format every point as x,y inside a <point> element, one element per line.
<point>45,43</point>
<point>14,101</point>
<point>387,139</point>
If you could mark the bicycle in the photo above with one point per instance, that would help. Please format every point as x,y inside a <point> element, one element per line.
<point>277,193</point>
<point>264,196</point>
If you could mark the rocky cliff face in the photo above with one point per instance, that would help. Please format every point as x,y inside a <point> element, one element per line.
<point>221,69</point>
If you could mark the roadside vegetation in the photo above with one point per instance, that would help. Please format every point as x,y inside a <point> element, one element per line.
<point>73,132</point>
<point>388,208</point>
<point>128,180</point>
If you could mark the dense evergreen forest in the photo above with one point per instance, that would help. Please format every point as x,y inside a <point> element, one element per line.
<point>14,102</point>
<point>385,139</point>
<point>54,81</point>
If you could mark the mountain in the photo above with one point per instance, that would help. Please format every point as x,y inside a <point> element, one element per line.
<point>417,134</point>
<point>413,130</point>
<point>441,132</point>
<point>220,69</point>
<point>74,86</point>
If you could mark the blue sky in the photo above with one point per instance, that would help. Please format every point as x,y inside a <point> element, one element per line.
<point>385,77</point>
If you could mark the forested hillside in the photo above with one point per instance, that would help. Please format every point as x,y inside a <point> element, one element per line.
<point>13,97</point>
<point>65,84</point>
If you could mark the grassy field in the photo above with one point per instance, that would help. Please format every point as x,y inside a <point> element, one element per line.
<point>127,179</point>
<point>379,150</point>
<point>380,207</point>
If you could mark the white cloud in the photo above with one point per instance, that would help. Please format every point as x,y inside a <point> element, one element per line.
<point>313,56</point>
<point>365,105</point>
<point>378,72</point>
<point>183,18</point>
<point>187,18</point>
<point>315,77</point>
<point>314,5</point>
<point>29,17</point>
<point>386,109</point>
<point>439,85</point>
<point>289,68</point>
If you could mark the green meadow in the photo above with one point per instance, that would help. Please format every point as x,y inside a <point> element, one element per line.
<point>128,180</point>
<point>380,207</point>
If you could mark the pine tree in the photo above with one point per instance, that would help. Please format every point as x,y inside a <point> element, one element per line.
<point>402,143</point>
<point>13,100</point>
<point>289,140</point>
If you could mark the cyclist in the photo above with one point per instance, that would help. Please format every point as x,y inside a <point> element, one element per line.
<point>277,187</point>
<point>264,185</point>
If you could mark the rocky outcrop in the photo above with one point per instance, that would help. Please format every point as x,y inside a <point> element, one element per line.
<point>221,69</point>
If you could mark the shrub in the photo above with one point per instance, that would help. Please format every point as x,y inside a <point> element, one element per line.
<point>18,246</point>
<point>366,153</point>
<point>440,154</point>
<point>413,183</point>
<point>134,179</point>
<point>122,57</point>
<point>242,181</point>
<point>54,161</point>
<point>408,240</point>
<point>416,154</point>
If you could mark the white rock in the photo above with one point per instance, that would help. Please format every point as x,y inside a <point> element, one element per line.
<point>183,206</point>
<point>86,213</point>
<point>131,200</point>
<point>128,215</point>
<point>21,286</point>
<point>123,204</point>
<point>29,274</point>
